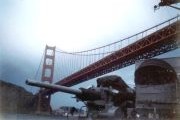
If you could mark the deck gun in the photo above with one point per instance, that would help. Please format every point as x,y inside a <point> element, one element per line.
<point>110,94</point>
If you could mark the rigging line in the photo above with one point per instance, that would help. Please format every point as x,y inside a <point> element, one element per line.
<point>177,8</point>
<point>35,77</point>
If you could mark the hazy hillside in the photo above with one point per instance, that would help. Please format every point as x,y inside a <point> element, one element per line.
<point>16,99</point>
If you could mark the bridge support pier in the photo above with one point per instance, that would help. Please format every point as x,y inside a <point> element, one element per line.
<point>44,106</point>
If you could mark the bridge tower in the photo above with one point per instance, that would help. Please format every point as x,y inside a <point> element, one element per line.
<point>47,76</point>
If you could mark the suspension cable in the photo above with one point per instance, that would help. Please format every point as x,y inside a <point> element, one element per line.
<point>120,41</point>
<point>35,77</point>
<point>102,53</point>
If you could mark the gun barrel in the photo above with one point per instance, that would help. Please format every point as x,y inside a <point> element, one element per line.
<point>54,87</point>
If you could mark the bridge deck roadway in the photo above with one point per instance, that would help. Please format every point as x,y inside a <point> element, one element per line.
<point>159,42</point>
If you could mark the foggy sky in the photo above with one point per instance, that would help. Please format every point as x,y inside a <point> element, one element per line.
<point>26,26</point>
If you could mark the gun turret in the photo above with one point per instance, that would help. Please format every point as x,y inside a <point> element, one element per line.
<point>111,92</point>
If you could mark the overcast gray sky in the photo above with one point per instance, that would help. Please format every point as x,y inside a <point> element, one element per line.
<point>26,26</point>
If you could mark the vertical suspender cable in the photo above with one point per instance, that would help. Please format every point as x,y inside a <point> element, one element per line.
<point>36,75</point>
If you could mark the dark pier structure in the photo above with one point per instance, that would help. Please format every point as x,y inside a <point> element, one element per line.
<point>157,88</point>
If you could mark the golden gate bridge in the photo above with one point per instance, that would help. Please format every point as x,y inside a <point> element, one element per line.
<point>77,67</point>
